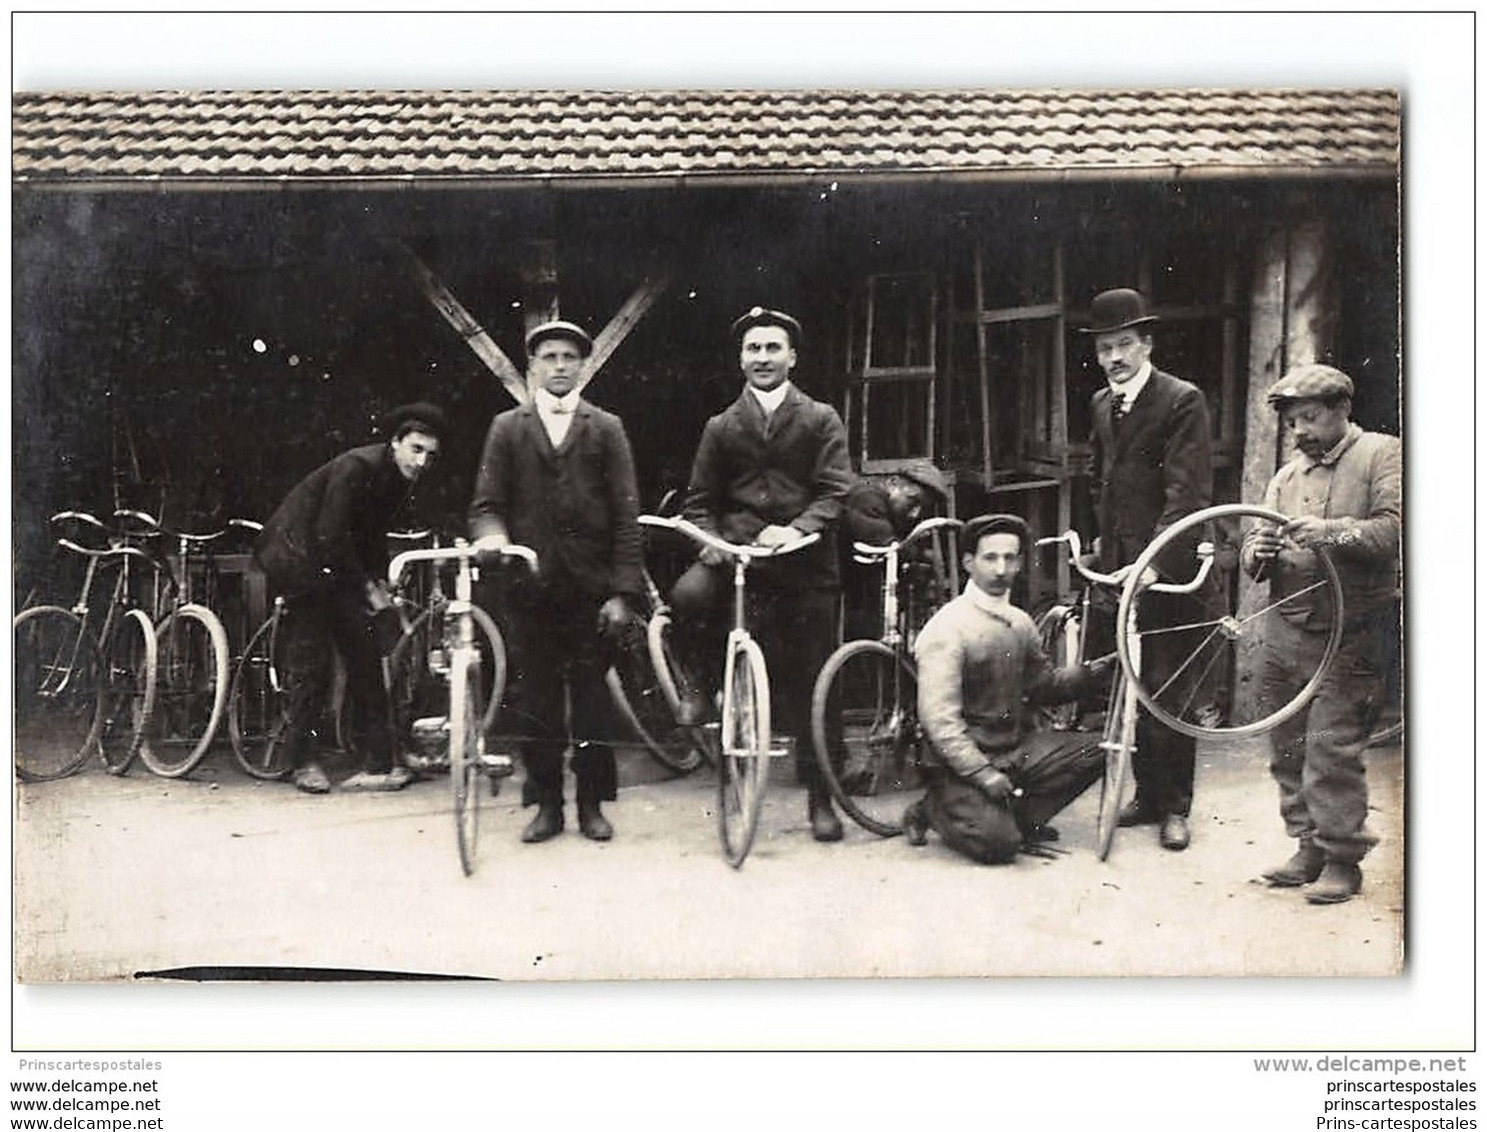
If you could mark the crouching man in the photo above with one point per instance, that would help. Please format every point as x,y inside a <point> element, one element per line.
<point>992,784</point>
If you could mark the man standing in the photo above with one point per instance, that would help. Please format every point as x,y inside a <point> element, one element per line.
<point>557,475</point>
<point>325,551</point>
<point>770,469</point>
<point>1152,467</point>
<point>1343,493</point>
<point>981,662</point>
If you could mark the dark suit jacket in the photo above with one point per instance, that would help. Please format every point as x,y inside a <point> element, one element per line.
<point>332,526</point>
<point>792,470</point>
<point>576,506</point>
<point>1156,468</point>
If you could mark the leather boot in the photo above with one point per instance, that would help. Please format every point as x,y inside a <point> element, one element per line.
<point>1340,881</point>
<point>916,823</point>
<point>825,825</point>
<point>546,825</point>
<point>592,823</point>
<point>1304,867</point>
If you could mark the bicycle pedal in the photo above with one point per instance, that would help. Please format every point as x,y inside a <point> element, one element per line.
<point>497,765</point>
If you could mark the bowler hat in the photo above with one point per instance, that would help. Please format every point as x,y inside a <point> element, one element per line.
<point>560,328</point>
<point>427,416</point>
<point>982,525</point>
<point>1309,381</point>
<point>1118,309</point>
<point>759,316</point>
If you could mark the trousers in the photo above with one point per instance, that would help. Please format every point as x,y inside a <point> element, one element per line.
<point>1316,756</point>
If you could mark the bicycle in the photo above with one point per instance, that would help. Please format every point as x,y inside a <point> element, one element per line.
<point>459,661</point>
<point>192,676</point>
<point>1178,702</point>
<point>864,707</point>
<point>78,690</point>
<point>746,743</point>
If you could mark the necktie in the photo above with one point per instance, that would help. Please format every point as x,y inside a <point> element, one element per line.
<point>1118,407</point>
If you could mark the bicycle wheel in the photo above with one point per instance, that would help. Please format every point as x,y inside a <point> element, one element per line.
<point>642,684</point>
<point>191,692</point>
<point>59,693</point>
<point>743,757</point>
<point>865,731</point>
<point>1061,630</point>
<point>1119,746</point>
<point>418,691</point>
<point>258,709</point>
<point>466,749</point>
<point>131,687</point>
<point>1211,639</point>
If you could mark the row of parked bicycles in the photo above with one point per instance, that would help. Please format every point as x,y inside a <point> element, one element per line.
<point>139,665</point>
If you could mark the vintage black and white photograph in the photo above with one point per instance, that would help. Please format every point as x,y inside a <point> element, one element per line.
<point>732,533</point>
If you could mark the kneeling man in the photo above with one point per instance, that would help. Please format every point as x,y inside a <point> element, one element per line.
<point>993,784</point>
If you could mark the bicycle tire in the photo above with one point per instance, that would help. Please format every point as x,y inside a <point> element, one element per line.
<point>466,746</point>
<point>59,693</point>
<point>1121,714</point>
<point>865,733</point>
<point>1060,628</point>
<point>744,752</point>
<point>131,687</point>
<point>417,690</point>
<point>667,667</point>
<point>649,720</point>
<point>191,691</point>
<point>1224,635</point>
<point>258,709</point>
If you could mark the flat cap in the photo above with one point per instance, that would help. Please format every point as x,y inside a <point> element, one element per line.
<point>560,328</point>
<point>1307,382</point>
<point>982,525</point>
<point>925,474</point>
<point>427,416</point>
<point>760,316</point>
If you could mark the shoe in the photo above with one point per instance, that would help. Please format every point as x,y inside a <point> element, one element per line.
<point>1042,834</point>
<point>1339,882</point>
<point>1135,812</point>
<point>312,779</point>
<point>546,825</point>
<point>593,824</point>
<point>1304,867</point>
<point>916,823</point>
<point>368,781</point>
<point>825,825</point>
<point>694,710</point>
<point>1174,833</point>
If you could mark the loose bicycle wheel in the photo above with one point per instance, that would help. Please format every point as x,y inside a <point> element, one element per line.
<point>131,685</point>
<point>743,757</point>
<point>1209,640</point>
<point>258,709</point>
<point>865,731</point>
<point>466,750</point>
<point>1119,746</point>
<point>59,693</point>
<point>1061,630</point>
<point>639,692</point>
<point>191,692</point>
<point>667,669</point>
<point>418,691</point>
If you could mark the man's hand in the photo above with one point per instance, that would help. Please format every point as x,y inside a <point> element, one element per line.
<point>774,535</point>
<point>1099,668</point>
<point>614,616</point>
<point>1265,544</point>
<point>1307,532</point>
<point>376,596</point>
<point>488,548</point>
<point>993,783</point>
<point>711,556</point>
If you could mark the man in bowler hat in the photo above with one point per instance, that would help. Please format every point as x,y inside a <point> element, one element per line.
<point>980,665</point>
<point>1152,467</point>
<point>557,475</point>
<point>1343,491</point>
<point>325,550</point>
<point>770,469</point>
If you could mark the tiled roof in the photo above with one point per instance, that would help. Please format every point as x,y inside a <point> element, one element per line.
<point>517,135</point>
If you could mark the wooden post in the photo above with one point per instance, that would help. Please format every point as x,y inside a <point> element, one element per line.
<point>624,321</point>
<point>465,326</point>
<point>1291,322</point>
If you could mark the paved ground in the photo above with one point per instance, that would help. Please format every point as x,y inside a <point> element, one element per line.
<point>119,876</point>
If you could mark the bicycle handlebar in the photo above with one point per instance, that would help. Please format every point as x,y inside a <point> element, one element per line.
<point>1116,580</point>
<point>111,552</point>
<point>79,516</point>
<point>461,552</point>
<point>922,528</point>
<point>732,549</point>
